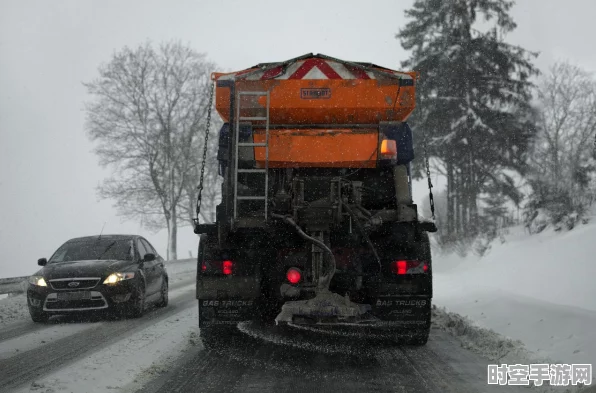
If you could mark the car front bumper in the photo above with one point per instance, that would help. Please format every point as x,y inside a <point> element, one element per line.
<point>100,297</point>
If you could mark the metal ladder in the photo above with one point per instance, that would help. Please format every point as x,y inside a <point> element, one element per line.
<point>251,144</point>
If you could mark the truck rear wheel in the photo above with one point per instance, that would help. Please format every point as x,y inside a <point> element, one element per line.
<point>414,328</point>
<point>216,337</point>
<point>420,338</point>
<point>417,336</point>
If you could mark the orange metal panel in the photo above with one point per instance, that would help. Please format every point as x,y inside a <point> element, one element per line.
<point>332,101</point>
<point>337,148</point>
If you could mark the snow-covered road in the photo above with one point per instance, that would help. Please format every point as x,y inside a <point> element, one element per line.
<point>247,363</point>
<point>161,352</point>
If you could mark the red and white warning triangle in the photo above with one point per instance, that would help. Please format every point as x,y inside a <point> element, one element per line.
<point>314,67</point>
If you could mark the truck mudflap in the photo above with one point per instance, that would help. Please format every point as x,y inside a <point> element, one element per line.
<point>217,312</point>
<point>411,312</point>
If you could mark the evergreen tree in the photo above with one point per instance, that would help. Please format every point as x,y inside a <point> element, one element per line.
<point>473,97</point>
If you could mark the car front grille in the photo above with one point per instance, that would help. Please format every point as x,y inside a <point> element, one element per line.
<point>75,283</point>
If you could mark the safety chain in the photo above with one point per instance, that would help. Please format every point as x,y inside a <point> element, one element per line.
<point>200,187</point>
<point>430,184</point>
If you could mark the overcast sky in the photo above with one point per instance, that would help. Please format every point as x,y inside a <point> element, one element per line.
<point>48,172</point>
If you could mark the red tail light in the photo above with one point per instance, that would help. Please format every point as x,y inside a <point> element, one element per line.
<point>403,267</point>
<point>217,267</point>
<point>294,276</point>
<point>226,267</point>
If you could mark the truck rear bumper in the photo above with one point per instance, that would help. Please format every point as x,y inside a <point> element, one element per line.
<point>228,287</point>
<point>227,300</point>
<point>403,312</point>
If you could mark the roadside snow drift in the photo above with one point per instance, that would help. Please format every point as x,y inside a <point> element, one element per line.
<point>539,290</point>
<point>13,309</point>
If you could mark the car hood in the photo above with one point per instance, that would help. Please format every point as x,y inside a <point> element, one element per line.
<point>95,268</point>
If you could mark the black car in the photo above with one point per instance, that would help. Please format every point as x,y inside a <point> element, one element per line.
<point>121,273</point>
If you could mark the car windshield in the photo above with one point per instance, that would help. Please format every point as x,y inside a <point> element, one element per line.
<point>94,250</point>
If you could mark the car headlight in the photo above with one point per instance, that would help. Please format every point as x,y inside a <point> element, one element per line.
<point>37,280</point>
<point>115,278</point>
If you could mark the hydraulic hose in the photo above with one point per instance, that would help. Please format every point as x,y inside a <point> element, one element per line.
<point>325,280</point>
<point>363,233</point>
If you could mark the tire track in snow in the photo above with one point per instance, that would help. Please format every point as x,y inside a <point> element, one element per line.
<point>19,329</point>
<point>26,366</point>
<point>246,363</point>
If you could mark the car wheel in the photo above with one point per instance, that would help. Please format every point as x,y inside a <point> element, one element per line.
<point>39,316</point>
<point>137,306</point>
<point>164,294</point>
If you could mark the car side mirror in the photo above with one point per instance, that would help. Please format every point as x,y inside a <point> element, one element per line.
<point>42,261</point>
<point>149,257</point>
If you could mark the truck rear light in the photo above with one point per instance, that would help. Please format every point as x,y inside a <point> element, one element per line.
<point>217,267</point>
<point>226,267</point>
<point>388,149</point>
<point>403,267</point>
<point>294,275</point>
<point>401,134</point>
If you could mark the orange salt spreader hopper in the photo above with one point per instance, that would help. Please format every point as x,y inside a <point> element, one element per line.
<point>323,112</point>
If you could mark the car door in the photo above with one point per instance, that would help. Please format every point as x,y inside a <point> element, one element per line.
<point>158,265</point>
<point>148,268</point>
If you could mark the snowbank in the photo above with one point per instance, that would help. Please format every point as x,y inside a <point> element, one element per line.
<point>555,267</point>
<point>538,290</point>
<point>13,309</point>
<point>497,348</point>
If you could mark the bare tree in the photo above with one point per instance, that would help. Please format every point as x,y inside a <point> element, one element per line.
<point>148,116</point>
<point>562,160</point>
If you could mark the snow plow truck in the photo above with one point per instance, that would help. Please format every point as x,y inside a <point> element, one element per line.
<point>316,225</point>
